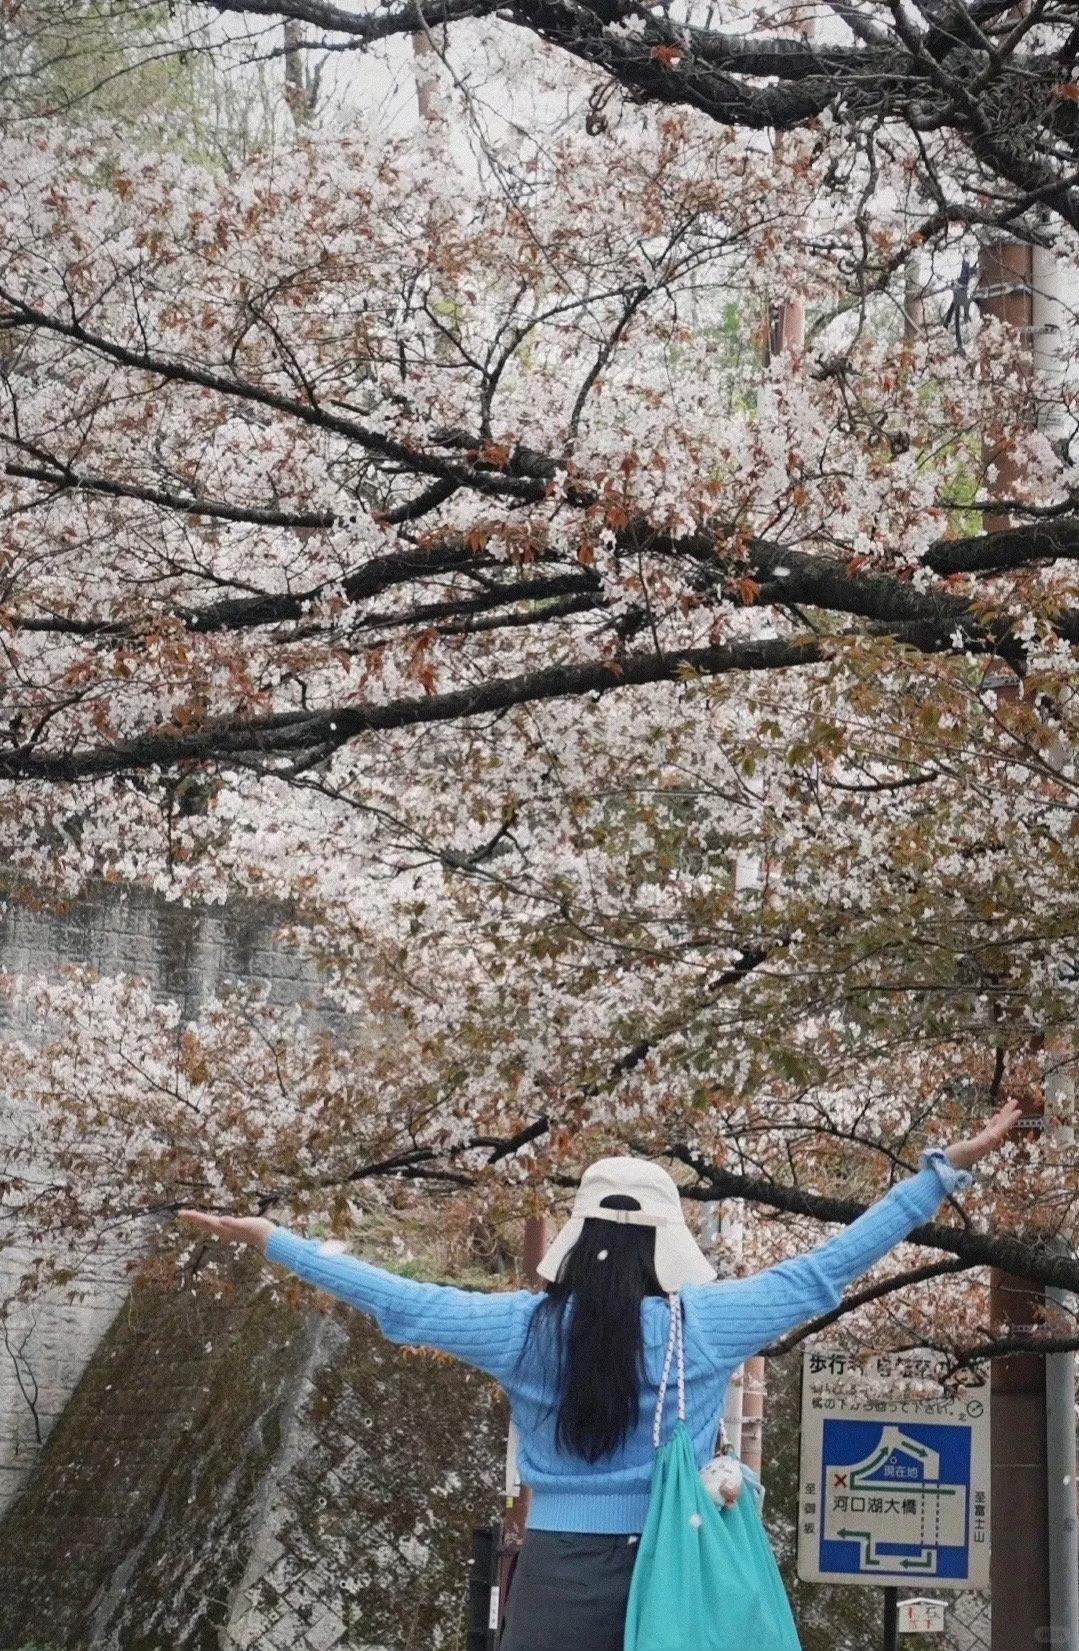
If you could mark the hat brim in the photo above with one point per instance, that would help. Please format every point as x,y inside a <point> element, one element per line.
<point>679,1258</point>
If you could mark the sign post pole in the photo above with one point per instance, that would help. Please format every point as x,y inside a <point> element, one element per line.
<point>891,1619</point>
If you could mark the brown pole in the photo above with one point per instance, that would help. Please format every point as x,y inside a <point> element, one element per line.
<point>786,336</point>
<point>787,328</point>
<point>913,301</point>
<point>1006,290</point>
<point>1019,1558</point>
<point>1019,1519</point>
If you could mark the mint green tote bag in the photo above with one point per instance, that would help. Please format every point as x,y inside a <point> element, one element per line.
<point>705,1579</point>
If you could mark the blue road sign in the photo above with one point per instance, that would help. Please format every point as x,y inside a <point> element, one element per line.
<point>894,1485</point>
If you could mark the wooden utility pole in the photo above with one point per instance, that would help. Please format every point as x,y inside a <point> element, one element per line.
<point>787,328</point>
<point>1019,1564</point>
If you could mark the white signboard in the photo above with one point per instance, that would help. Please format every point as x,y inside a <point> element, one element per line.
<point>894,1484</point>
<point>921,1616</point>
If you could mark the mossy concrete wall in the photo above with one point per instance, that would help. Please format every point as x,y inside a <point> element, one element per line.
<point>185,953</point>
<point>236,1471</point>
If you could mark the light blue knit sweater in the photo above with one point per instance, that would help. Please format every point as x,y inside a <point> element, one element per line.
<point>725,1322</point>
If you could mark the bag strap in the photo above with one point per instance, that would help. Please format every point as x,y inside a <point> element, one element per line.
<point>674,1343</point>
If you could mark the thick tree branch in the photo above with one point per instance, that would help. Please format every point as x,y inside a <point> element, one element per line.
<point>295,733</point>
<point>703,77</point>
<point>783,576</point>
<point>781,81</point>
<point>1014,547</point>
<point>363,27</point>
<point>17,315</point>
<point>1002,1347</point>
<point>1030,1259</point>
<point>69,481</point>
<point>786,57</point>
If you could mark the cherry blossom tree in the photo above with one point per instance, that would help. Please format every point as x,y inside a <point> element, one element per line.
<point>642,735</point>
<point>984,97</point>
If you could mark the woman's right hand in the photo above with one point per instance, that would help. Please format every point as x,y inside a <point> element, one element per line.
<point>236,1229</point>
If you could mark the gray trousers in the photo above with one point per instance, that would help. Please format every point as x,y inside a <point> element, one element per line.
<point>569,1592</point>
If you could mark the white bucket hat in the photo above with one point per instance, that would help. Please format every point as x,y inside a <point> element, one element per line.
<point>679,1259</point>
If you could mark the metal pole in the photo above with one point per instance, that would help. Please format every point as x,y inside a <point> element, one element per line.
<point>1060,1471</point>
<point>914,301</point>
<point>787,332</point>
<point>754,1390</point>
<point>891,1619</point>
<point>1052,333</point>
<point>1051,337</point>
<point>1019,1567</point>
<point>483,1590</point>
<point>725,1220</point>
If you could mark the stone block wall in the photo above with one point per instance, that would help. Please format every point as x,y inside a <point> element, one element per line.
<point>169,1432</point>
<point>208,1469</point>
<point>43,1353</point>
<point>185,952</point>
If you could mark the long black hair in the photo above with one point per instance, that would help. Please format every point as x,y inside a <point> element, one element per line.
<point>592,1312</point>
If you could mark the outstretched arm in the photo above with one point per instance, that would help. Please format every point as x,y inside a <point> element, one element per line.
<point>485,1330</point>
<point>738,1317</point>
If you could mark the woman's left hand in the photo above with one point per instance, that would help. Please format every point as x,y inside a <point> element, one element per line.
<point>965,1153</point>
<point>237,1229</point>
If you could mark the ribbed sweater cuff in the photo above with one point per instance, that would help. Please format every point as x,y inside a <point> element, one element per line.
<point>951,1179</point>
